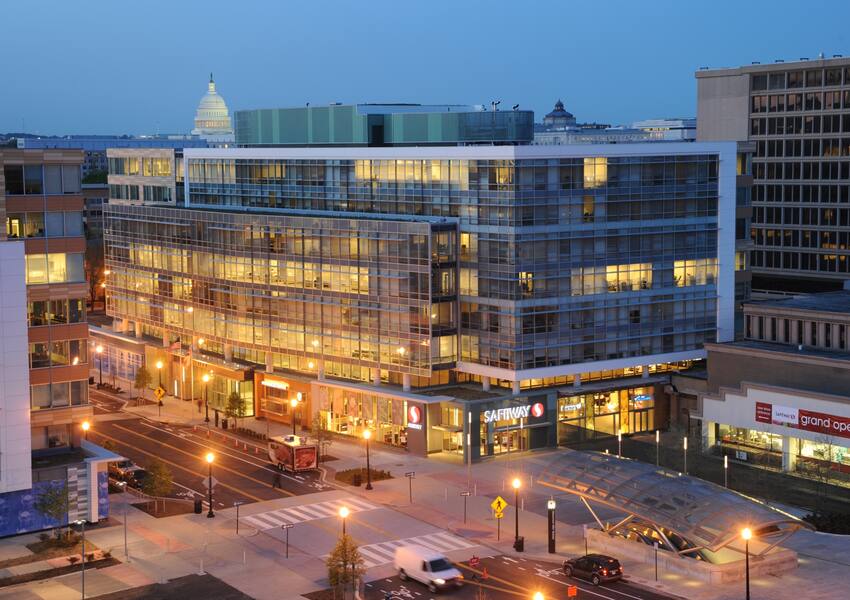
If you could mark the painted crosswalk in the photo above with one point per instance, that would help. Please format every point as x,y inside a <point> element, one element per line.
<point>306,512</point>
<point>383,553</point>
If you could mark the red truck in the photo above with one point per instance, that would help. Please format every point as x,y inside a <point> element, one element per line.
<point>293,453</point>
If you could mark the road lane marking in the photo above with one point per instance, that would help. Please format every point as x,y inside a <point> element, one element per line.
<point>218,465</point>
<point>181,467</point>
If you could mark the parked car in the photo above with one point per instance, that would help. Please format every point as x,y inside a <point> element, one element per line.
<point>122,470</point>
<point>137,478</point>
<point>426,566</point>
<point>597,568</point>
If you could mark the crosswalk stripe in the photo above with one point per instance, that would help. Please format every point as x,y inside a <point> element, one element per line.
<point>447,539</point>
<point>373,558</point>
<point>383,552</point>
<point>308,512</point>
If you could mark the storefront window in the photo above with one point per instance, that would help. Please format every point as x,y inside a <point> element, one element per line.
<point>607,413</point>
<point>351,412</point>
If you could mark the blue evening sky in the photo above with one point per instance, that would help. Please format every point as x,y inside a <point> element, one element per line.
<point>141,67</point>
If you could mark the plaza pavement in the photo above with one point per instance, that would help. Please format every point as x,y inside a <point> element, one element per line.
<point>254,562</point>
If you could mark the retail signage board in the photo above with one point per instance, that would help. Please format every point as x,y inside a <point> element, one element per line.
<point>805,420</point>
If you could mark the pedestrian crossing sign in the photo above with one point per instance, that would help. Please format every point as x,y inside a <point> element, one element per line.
<point>159,392</point>
<point>498,505</point>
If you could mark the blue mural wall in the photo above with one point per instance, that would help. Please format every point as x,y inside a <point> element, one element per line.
<point>18,513</point>
<point>102,495</point>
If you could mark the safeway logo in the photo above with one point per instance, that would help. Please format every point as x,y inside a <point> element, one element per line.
<point>414,415</point>
<point>514,412</point>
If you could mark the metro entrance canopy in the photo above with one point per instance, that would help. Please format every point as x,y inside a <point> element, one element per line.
<point>695,514</point>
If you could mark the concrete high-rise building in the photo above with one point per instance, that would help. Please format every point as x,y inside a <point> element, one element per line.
<point>44,366</point>
<point>798,116</point>
<point>454,296</point>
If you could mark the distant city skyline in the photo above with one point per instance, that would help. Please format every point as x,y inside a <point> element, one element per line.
<point>99,68</point>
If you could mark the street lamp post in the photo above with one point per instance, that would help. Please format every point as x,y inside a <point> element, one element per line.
<point>657,446</point>
<point>516,485</point>
<point>286,527</point>
<point>237,504</point>
<point>685,450</point>
<point>619,444</point>
<point>210,458</point>
<point>206,379</point>
<point>99,350</point>
<point>343,514</point>
<point>86,426</point>
<point>747,533</point>
<point>551,506</point>
<point>366,435</point>
<point>293,405</point>
<point>159,366</point>
<point>82,524</point>
<point>123,486</point>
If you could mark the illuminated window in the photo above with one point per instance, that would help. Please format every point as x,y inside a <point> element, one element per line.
<point>702,271</point>
<point>612,278</point>
<point>526,283</point>
<point>54,268</point>
<point>595,172</point>
<point>740,261</point>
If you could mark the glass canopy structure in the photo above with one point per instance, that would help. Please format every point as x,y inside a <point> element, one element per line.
<point>686,515</point>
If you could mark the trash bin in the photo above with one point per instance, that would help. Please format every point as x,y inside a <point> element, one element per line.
<point>519,544</point>
<point>224,424</point>
<point>199,506</point>
<point>91,380</point>
<point>357,480</point>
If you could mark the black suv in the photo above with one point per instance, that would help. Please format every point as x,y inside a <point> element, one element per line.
<point>595,567</point>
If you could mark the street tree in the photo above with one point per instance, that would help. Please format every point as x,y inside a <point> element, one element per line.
<point>94,266</point>
<point>143,380</point>
<point>53,503</point>
<point>158,482</point>
<point>345,566</point>
<point>235,408</point>
<point>323,435</point>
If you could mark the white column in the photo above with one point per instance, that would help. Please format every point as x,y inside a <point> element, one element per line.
<point>269,362</point>
<point>789,453</point>
<point>708,439</point>
<point>485,383</point>
<point>138,329</point>
<point>515,388</point>
<point>376,377</point>
<point>577,381</point>
<point>320,372</point>
<point>645,371</point>
<point>405,382</point>
<point>165,338</point>
<point>228,352</point>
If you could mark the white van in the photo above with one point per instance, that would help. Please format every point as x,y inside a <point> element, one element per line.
<point>426,566</point>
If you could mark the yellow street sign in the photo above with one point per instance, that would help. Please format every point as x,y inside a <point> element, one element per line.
<point>498,505</point>
<point>499,515</point>
<point>159,392</point>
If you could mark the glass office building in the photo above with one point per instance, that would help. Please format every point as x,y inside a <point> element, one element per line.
<point>397,281</point>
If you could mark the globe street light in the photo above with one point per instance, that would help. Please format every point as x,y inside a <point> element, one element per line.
<point>86,426</point>
<point>747,533</point>
<point>343,514</point>
<point>210,458</point>
<point>206,379</point>
<point>99,350</point>
<point>538,596</point>
<point>293,404</point>
<point>366,435</point>
<point>516,483</point>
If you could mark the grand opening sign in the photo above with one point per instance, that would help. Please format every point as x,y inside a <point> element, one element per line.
<point>806,420</point>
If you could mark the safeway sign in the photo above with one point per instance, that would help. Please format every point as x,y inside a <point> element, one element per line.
<point>514,412</point>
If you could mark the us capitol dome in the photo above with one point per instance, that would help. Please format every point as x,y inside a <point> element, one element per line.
<point>212,119</point>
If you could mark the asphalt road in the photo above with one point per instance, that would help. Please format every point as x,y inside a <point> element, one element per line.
<point>508,579</point>
<point>242,475</point>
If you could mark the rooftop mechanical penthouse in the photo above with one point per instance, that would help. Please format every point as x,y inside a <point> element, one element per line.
<point>458,280</point>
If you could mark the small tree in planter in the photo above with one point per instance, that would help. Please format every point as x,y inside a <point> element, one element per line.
<point>323,435</point>
<point>143,380</point>
<point>235,408</point>
<point>53,503</point>
<point>158,482</point>
<point>345,566</point>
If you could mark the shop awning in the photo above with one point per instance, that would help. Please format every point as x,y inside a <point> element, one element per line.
<point>706,515</point>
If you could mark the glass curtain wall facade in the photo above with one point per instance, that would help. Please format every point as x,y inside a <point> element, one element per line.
<point>560,260</point>
<point>344,296</point>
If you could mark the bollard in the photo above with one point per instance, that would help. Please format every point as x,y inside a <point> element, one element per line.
<point>256,449</point>
<point>245,447</point>
<point>475,488</point>
<point>201,570</point>
<point>244,558</point>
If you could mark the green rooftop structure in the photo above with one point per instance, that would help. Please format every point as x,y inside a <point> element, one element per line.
<point>383,125</point>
